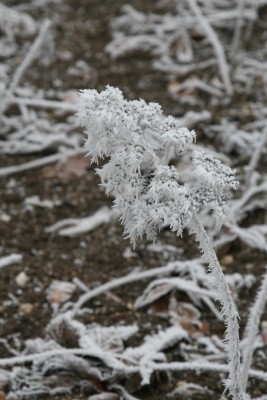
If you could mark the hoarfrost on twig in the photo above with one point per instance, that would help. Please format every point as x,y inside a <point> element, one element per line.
<point>75,226</point>
<point>9,260</point>
<point>224,68</point>
<point>251,330</point>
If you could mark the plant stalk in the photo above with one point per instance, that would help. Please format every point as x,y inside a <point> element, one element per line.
<point>228,308</point>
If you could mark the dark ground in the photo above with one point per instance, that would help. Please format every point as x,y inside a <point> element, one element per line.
<point>97,256</point>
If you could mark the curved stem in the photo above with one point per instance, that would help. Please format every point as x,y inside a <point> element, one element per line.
<point>228,309</point>
<point>252,329</point>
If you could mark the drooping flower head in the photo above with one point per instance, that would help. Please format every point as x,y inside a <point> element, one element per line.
<point>137,140</point>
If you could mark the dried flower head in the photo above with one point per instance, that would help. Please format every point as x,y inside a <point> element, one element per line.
<point>148,192</point>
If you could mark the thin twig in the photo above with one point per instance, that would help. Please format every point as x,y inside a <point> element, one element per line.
<point>11,259</point>
<point>238,26</point>
<point>219,51</point>
<point>194,366</point>
<point>126,280</point>
<point>255,157</point>
<point>252,329</point>
<point>172,366</point>
<point>25,64</point>
<point>40,162</point>
<point>42,103</point>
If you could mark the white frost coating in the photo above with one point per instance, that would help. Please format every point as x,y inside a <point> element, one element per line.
<point>32,53</point>
<point>14,23</point>
<point>39,162</point>
<point>133,277</point>
<point>228,308</point>
<point>151,350</point>
<point>11,259</point>
<point>252,329</point>
<point>219,51</point>
<point>181,284</point>
<point>78,226</point>
<point>148,192</point>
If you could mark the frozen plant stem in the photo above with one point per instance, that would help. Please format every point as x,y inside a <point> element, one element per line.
<point>149,193</point>
<point>252,329</point>
<point>229,311</point>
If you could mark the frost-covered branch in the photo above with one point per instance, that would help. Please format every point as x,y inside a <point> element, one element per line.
<point>252,329</point>
<point>24,65</point>
<point>75,226</point>
<point>11,259</point>
<point>40,162</point>
<point>224,68</point>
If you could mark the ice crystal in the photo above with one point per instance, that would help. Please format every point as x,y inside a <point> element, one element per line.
<point>148,192</point>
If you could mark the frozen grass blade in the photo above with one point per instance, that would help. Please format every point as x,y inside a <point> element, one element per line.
<point>252,329</point>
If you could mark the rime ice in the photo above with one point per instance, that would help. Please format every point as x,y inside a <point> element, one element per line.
<point>148,192</point>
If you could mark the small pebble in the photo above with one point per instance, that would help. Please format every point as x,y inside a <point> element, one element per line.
<point>21,279</point>
<point>5,217</point>
<point>227,260</point>
<point>26,308</point>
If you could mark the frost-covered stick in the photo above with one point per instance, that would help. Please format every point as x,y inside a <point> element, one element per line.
<point>135,277</point>
<point>229,311</point>
<point>251,330</point>
<point>76,226</point>
<point>238,26</point>
<point>40,162</point>
<point>194,366</point>
<point>108,358</point>
<point>42,103</point>
<point>256,157</point>
<point>116,364</point>
<point>24,65</point>
<point>223,66</point>
<point>15,23</point>
<point>11,259</point>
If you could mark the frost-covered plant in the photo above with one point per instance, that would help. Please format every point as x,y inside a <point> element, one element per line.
<point>149,193</point>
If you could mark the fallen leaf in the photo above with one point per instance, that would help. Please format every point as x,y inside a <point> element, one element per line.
<point>188,317</point>
<point>60,291</point>
<point>151,294</point>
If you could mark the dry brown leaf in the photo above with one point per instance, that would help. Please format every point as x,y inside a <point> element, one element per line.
<point>188,317</point>
<point>60,291</point>
<point>2,395</point>
<point>160,306</point>
<point>151,294</point>
<point>184,310</point>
